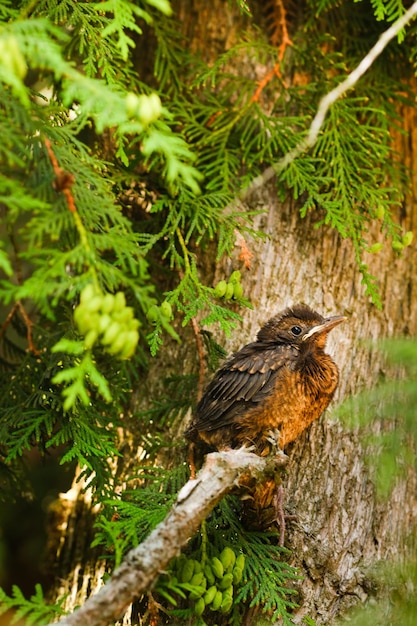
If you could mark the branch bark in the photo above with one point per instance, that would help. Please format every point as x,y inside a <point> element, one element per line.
<point>139,571</point>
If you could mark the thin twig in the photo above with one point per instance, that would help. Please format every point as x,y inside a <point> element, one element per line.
<point>201,358</point>
<point>31,346</point>
<point>330,99</point>
<point>19,306</point>
<point>63,180</point>
<point>8,320</point>
<point>285,42</point>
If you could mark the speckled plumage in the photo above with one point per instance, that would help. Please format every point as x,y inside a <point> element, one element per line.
<point>284,380</point>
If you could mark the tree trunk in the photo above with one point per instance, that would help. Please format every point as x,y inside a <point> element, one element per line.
<point>341,528</point>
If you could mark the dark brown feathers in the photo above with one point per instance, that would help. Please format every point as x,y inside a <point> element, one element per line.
<point>284,381</point>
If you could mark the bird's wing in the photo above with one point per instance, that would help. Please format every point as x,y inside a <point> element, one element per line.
<point>242,383</point>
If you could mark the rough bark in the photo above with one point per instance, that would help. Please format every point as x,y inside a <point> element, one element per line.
<point>341,529</point>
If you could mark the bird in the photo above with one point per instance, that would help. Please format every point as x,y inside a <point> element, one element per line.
<point>266,394</point>
<point>281,382</point>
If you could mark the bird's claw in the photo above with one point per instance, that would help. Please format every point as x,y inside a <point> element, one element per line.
<point>280,516</point>
<point>279,513</point>
<point>273,438</point>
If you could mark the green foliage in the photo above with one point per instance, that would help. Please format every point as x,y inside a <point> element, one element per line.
<point>398,606</point>
<point>389,10</point>
<point>34,610</point>
<point>124,18</point>
<point>385,416</point>
<point>265,578</point>
<point>128,520</point>
<point>32,415</point>
<point>392,404</point>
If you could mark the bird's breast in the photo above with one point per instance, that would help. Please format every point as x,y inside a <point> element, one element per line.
<point>319,375</point>
<point>299,396</point>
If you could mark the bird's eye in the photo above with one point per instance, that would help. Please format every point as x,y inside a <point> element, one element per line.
<point>296,330</point>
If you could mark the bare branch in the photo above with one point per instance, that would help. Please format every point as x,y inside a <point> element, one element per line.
<point>330,99</point>
<point>139,571</point>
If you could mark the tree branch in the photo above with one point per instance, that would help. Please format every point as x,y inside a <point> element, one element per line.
<point>329,99</point>
<point>139,571</point>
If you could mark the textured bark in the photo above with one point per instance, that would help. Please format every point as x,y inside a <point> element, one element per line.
<point>341,529</point>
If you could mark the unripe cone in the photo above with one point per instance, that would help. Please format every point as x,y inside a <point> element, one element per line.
<point>209,574</point>
<point>82,318</point>
<point>118,344</point>
<point>88,293</point>
<point>235,277</point>
<point>94,304</point>
<point>197,579</point>
<point>217,567</point>
<point>237,575</point>
<point>237,291</point>
<point>209,595</point>
<point>220,289</point>
<point>226,604</point>
<point>227,557</point>
<point>186,572</point>
<point>119,301</point>
<point>397,246</point>
<point>229,291</point>
<point>90,338</point>
<point>407,238</point>
<point>166,309</point>
<point>111,333</point>
<point>226,581</point>
<point>217,601</point>
<point>132,338</point>
<point>153,314</point>
<point>108,303</point>
<point>125,315</point>
<point>200,605</point>
<point>240,561</point>
<point>104,322</point>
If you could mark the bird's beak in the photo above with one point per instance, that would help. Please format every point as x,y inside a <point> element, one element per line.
<point>325,327</point>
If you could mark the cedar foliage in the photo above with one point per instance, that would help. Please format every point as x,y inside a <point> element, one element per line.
<point>141,181</point>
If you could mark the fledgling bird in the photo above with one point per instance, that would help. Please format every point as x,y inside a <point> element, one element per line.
<point>282,382</point>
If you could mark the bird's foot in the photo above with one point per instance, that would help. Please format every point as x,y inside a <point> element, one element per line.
<point>280,515</point>
<point>247,446</point>
<point>191,460</point>
<point>273,438</point>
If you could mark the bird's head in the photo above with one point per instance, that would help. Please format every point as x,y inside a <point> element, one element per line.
<point>299,325</point>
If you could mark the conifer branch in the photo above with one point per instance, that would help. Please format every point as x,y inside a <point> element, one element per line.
<point>285,42</point>
<point>63,180</point>
<point>184,250</point>
<point>18,306</point>
<point>139,571</point>
<point>201,357</point>
<point>329,99</point>
<point>31,346</point>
